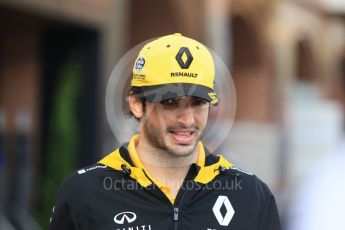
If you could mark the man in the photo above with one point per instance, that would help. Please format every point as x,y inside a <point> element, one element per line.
<point>165,178</point>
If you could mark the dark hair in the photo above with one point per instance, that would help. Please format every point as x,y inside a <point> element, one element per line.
<point>134,91</point>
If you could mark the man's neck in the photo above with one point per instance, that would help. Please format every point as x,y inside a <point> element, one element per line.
<point>164,167</point>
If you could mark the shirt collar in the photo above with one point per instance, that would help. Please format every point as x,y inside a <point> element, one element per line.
<point>137,162</point>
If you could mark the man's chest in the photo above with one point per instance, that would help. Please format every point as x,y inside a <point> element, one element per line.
<point>138,208</point>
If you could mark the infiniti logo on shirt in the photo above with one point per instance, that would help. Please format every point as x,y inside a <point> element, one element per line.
<point>123,217</point>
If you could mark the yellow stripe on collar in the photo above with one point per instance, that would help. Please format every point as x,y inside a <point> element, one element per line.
<point>115,161</point>
<point>208,173</point>
<point>201,155</point>
<point>137,162</point>
<point>205,175</point>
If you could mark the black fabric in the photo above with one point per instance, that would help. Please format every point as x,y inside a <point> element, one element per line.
<point>95,197</point>
<point>125,155</point>
<point>158,93</point>
<point>62,211</point>
<point>210,158</point>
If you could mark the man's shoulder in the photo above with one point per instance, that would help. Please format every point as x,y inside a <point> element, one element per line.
<point>227,167</point>
<point>89,176</point>
<point>249,180</point>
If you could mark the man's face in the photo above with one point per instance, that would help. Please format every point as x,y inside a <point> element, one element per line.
<point>175,125</point>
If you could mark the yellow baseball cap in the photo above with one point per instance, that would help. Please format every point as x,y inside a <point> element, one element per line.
<point>173,66</point>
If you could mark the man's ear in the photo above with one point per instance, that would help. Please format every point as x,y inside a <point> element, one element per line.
<point>136,106</point>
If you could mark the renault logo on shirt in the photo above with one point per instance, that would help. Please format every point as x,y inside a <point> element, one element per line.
<point>125,217</point>
<point>225,219</point>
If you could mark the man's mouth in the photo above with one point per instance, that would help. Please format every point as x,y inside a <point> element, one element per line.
<point>183,137</point>
<point>183,133</point>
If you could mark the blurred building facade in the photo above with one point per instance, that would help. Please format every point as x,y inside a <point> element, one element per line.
<point>283,56</point>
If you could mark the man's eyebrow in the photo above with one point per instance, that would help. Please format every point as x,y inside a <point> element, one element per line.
<point>174,99</point>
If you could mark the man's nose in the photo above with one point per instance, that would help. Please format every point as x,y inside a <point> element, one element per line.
<point>186,115</point>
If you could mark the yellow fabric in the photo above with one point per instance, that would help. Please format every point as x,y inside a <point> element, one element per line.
<point>137,162</point>
<point>157,63</point>
<point>208,173</point>
<point>201,155</point>
<point>114,160</point>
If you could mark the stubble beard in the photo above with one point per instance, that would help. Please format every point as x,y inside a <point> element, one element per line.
<point>156,140</point>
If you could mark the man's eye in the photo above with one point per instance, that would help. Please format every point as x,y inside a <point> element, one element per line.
<point>169,102</point>
<point>199,102</point>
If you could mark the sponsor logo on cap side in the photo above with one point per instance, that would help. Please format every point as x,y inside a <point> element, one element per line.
<point>139,77</point>
<point>214,99</point>
<point>139,65</point>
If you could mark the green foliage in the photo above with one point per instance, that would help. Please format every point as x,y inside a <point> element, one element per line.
<point>63,137</point>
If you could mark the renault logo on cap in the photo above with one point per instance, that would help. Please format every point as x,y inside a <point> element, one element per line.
<point>184,58</point>
<point>123,217</point>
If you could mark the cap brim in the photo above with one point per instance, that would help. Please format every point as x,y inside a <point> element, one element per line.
<point>160,93</point>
